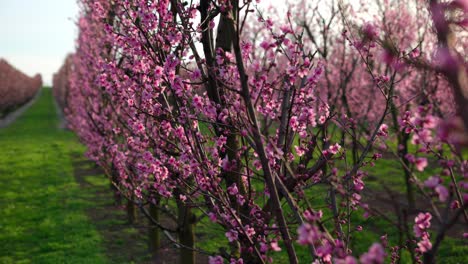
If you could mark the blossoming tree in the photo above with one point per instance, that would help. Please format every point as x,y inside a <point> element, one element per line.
<point>16,88</point>
<point>250,118</point>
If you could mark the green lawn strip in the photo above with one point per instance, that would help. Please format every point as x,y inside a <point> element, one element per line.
<point>42,208</point>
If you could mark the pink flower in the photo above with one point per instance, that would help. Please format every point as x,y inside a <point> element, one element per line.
<point>375,255</point>
<point>308,234</point>
<point>300,151</point>
<point>324,251</point>
<point>313,216</point>
<point>410,158</point>
<point>432,182</point>
<point>257,164</point>
<point>215,260</point>
<point>421,163</point>
<point>442,192</point>
<point>212,217</point>
<point>274,246</point>
<point>196,74</point>
<point>369,31</point>
<point>414,53</point>
<point>333,149</point>
<point>294,123</point>
<point>232,235</point>
<point>211,24</point>
<point>421,223</point>
<point>236,261</point>
<point>249,231</point>
<point>346,260</point>
<point>221,141</point>
<point>158,71</point>
<point>424,245</point>
<point>232,190</point>
<point>358,184</point>
<point>265,45</point>
<point>383,130</point>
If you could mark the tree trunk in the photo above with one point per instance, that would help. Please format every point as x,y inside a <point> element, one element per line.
<point>186,233</point>
<point>131,212</point>
<point>114,180</point>
<point>403,141</point>
<point>154,232</point>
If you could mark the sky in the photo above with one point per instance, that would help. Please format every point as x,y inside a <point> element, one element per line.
<point>36,35</point>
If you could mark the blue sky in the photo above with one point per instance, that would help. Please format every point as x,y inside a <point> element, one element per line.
<point>36,35</point>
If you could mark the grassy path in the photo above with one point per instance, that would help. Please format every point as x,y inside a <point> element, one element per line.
<point>42,209</point>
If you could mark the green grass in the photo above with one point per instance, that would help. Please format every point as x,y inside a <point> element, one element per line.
<point>42,208</point>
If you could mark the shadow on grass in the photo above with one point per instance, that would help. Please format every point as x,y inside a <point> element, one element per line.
<point>123,242</point>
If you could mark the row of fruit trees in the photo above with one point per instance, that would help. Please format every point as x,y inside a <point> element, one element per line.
<point>16,88</point>
<point>268,125</point>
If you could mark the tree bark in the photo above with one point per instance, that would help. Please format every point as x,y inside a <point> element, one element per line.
<point>154,232</point>
<point>186,232</point>
<point>131,212</point>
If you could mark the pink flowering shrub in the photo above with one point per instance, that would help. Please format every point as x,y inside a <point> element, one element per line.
<point>248,126</point>
<point>16,88</point>
<point>60,82</point>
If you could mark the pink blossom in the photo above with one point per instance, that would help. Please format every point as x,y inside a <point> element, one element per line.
<point>232,235</point>
<point>294,123</point>
<point>442,192</point>
<point>196,74</point>
<point>308,234</point>
<point>346,260</point>
<point>414,53</point>
<point>324,252</point>
<point>236,261</point>
<point>370,31</point>
<point>375,255</point>
<point>215,260</point>
<point>313,216</point>
<point>300,151</point>
<point>383,130</point>
<point>432,182</point>
<point>212,217</point>
<point>250,231</point>
<point>232,190</point>
<point>333,149</point>
<point>410,158</point>
<point>424,245</point>
<point>421,163</point>
<point>274,246</point>
<point>422,222</point>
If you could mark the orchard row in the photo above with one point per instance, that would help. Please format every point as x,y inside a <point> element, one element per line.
<point>16,88</point>
<point>268,123</point>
